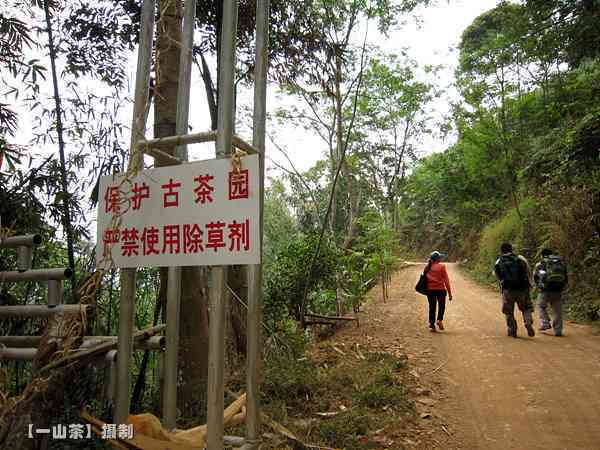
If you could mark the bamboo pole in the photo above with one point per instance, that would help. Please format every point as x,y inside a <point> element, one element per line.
<point>28,240</point>
<point>17,354</point>
<point>111,373</point>
<point>153,343</point>
<point>55,292</point>
<point>24,258</point>
<point>125,345</point>
<point>99,349</point>
<point>127,300</point>
<point>243,145</point>
<point>216,354</point>
<point>255,299</point>
<point>9,312</point>
<point>36,275</point>
<point>149,146</point>
<point>159,154</point>
<point>330,317</point>
<point>172,348</point>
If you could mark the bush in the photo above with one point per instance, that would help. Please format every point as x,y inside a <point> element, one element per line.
<point>345,429</point>
<point>521,231</point>
<point>289,375</point>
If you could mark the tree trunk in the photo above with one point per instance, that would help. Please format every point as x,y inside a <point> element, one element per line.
<point>193,339</point>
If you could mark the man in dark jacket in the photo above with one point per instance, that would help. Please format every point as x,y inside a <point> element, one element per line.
<point>513,273</point>
<point>550,276</point>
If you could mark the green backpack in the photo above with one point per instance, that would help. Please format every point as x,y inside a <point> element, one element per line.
<point>555,276</point>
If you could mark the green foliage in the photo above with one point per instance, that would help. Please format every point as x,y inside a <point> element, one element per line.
<point>289,374</point>
<point>279,225</point>
<point>286,282</point>
<point>526,163</point>
<point>345,429</point>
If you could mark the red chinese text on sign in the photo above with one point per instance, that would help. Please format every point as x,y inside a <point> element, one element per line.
<point>215,237</point>
<point>239,236</point>
<point>171,197</point>
<point>193,214</point>
<point>130,244</point>
<point>150,241</point>
<point>109,237</point>
<point>171,242</point>
<point>111,199</point>
<point>204,190</point>
<point>139,193</point>
<point>192,238</point>
<point>238,184</point>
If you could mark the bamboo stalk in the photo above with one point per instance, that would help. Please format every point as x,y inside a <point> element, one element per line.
<point>174,141</point>
<point>159,154</point>
<point>243,145</point>
<point>37,275</point>
<point>153,343</point>
<point>101,348</point>
<point>255,293</point>
<point>7,312</point>
<point>150,146</point>
<point>330,317</point>
<point>27,240</point>
<point>17,354</point>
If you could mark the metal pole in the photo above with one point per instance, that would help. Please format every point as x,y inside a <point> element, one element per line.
<point>172,348</point>
<point>127,298</point>
<point>255,299</point>
<point>216,353</point>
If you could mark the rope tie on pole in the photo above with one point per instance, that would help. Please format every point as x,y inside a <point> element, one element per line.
<point>236,160</point>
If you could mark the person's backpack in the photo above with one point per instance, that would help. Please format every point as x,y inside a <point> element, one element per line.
<point>555,277</point>
<point>512,272</point>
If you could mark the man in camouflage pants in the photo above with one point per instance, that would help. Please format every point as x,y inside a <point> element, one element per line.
<point>513,273</point>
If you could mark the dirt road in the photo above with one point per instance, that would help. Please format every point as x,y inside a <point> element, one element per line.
<point>488,390</point>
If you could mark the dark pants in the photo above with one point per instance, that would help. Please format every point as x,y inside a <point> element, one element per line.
<point>436,298</point>
<point>523,301</point>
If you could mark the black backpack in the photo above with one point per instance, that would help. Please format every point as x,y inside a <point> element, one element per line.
<point>512,272</point>
<point>555,276</point>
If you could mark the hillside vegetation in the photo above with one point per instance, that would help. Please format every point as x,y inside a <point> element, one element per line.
<point>526,166</point>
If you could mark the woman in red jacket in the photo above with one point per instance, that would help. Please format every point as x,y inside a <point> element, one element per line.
<point>437,286</point>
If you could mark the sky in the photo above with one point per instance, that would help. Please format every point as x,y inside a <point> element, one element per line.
<point>432,41</point>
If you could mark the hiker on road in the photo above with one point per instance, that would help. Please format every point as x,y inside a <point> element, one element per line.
<point>513,273</point>
<point>438,284</point>
<point>550,275</point>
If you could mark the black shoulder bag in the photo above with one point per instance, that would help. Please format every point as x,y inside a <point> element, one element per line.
<point>421,286</point>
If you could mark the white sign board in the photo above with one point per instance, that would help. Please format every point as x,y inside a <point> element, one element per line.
<point>197,214</point>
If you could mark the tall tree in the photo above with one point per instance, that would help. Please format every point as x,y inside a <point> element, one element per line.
<point>393,119</point>
<point>193,340</point>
